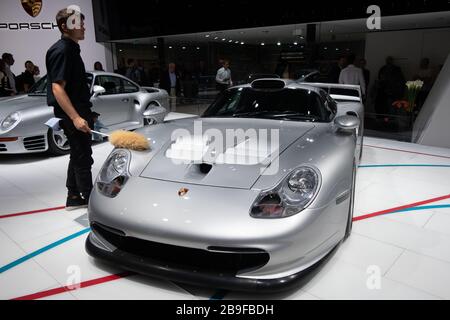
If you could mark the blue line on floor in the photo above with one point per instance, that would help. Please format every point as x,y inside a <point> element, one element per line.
<point>405,166</point>
<point>219,295</point>
<point>40,251</point>
<point>444,206</point>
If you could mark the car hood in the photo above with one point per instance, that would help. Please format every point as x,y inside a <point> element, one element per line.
<point>22,102</point>
<point>237,164</point>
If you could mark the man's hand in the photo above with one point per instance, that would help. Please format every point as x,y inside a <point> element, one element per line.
<point>81,125</point>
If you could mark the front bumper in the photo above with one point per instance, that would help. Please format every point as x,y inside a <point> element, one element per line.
<point>29,144</point>
<point>99,248</point>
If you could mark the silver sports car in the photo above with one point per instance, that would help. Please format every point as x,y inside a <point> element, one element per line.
<point>255,212</point>
<point>121,103</point>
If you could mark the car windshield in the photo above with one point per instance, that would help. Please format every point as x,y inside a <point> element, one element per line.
<point>40,87</point>
<point>286,104</point>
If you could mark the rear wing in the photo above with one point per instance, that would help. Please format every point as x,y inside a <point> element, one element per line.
<point>340,92</point>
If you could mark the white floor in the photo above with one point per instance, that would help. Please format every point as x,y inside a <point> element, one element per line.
<point>396,256</point>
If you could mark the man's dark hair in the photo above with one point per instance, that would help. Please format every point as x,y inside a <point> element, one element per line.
<point>63,15</point>
<point>27,62</point>
<point>351,58</point>
<point>6,56</point>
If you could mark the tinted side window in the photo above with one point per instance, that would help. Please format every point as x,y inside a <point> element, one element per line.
<point>128,87</point>
<point>111,84</point>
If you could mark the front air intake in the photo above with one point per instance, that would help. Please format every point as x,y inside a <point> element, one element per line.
<point>268,84</point>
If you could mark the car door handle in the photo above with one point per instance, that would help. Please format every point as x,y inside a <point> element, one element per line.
<point>126,100</point>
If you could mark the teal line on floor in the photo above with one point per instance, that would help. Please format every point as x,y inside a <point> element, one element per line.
<point>42,250</point>
<point>404,166</point>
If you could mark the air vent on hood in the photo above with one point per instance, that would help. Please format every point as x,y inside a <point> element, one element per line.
<point>268,84</point>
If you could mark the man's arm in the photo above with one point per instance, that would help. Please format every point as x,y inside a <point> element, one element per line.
<point>341,77</point>
<point>63,100</point>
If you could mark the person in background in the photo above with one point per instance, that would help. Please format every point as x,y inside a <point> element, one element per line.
<point>98,66</point>
<point>133,73</point>
<point>5,87</point>
<point>223,77</point>
<point>428,76</point>
<point>390,88</point>
<point>8,59</point>
<point>25,81</point>
<point>36,74</point>
<point>353,75</point>
<point>362,65</point>
<point>336,69</point>
<point>170,81</point>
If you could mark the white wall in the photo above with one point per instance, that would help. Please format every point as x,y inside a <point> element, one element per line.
<point>432,125</point>
<point>33,44</point>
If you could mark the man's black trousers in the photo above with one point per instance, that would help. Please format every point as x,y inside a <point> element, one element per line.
<point>79,174</point>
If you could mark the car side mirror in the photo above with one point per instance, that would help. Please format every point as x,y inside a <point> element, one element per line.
<point>98,90</point>
<point>347,123</point>
<point>155,114</point>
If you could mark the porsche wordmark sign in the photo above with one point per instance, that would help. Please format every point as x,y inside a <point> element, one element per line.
<point>32,7</point>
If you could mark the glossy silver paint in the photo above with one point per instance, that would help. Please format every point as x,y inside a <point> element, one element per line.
<point>118,111</point>
<point>215,211</point>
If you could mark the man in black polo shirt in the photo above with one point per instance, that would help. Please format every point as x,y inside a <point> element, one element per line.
<point>68,93</point>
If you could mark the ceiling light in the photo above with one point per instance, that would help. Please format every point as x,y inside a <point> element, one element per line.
<point>156,47</point>
<point>242,42</point>
<point>230,40</point>
<point>224,39</point>
<point>207,36</point>
<point>198,48</point>
<point>170,47</point>
<point>262,43</point>
<point>295,43</point>
<point>237,42</point>
<point>278,43</point>
<point>215,38</point>
<point>184,48</point>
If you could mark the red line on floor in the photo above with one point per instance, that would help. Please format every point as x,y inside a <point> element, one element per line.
<point>30,212</point>
<point>95,282</point>
<point>413,152</point>
<point>384,212</point>
<point>85,284</point>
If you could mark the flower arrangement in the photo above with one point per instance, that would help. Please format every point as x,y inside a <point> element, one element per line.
<point>408,104</point>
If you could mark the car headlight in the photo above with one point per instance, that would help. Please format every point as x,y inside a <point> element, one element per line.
<point>10,121</point>
<point>114,173</point>
<point>290,197</point>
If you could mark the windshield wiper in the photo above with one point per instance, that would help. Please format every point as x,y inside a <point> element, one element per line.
<point>296,116</point>
<point>250,114</point>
